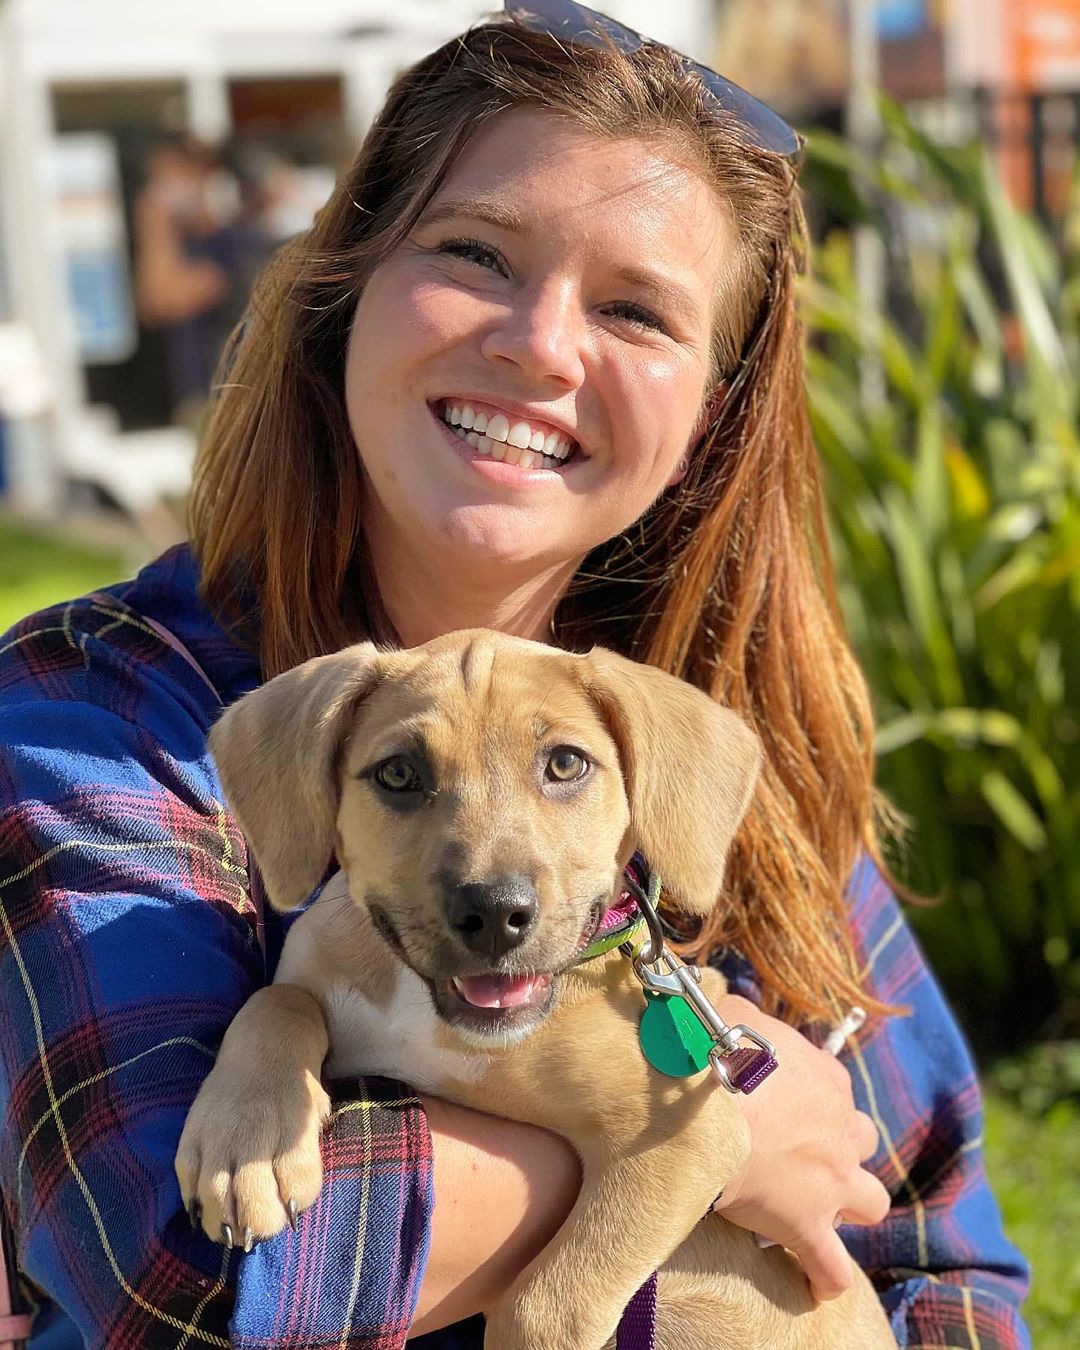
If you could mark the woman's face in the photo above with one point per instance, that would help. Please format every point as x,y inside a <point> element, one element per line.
<point>526,370</point>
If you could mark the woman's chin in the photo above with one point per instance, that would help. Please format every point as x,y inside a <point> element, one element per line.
<point>513,540</point>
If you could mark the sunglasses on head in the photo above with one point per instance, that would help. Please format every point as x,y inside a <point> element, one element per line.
<point>573,23</point>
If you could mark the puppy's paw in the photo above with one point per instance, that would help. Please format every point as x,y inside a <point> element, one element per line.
<point>248,1162</point>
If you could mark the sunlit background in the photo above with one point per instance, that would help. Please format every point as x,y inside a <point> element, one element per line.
<point>153,156</point>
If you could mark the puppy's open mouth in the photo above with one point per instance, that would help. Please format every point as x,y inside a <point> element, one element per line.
<point>501,992</point>
<point>510,1005</point>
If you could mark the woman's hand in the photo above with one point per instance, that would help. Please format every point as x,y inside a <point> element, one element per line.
<point>807,1142</point>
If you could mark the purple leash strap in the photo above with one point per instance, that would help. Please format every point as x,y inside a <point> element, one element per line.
<point>637,1329</point>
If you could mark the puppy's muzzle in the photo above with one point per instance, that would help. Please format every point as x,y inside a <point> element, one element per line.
<point>492,918</point>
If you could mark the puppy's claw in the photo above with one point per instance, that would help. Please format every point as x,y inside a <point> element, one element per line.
<point>194,1213</point>
<point>291,1207</point>
<point>249,1239</point>
<point>227,1237</point>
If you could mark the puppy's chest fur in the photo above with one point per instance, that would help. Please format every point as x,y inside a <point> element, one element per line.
<point>379,1014</point>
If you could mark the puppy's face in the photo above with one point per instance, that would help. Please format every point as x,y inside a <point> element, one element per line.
<point>484,821</point>
<point>484,794</point>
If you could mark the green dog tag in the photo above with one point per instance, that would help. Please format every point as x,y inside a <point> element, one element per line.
<point>672,1037</point>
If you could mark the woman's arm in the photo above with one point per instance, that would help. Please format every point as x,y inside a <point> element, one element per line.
<point>808,1147</point>
<point>502,1192</point>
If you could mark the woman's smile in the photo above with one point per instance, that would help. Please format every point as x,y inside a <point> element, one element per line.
<point>505,435</point>
<point>505,447</point>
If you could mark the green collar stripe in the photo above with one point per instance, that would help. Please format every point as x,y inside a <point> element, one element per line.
<point>609,941</point>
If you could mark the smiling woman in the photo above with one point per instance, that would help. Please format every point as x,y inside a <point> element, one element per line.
<point>536,367</point>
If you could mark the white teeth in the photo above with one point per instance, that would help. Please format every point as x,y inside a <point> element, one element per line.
<point>513,443</point>
<point>498,426</point>
<point>520,434</point>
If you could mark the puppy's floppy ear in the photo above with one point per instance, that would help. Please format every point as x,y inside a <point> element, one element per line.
<point>690,768</point>
<point>276,751</point>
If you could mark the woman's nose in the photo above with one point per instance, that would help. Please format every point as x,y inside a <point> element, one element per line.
<point>542,332</point>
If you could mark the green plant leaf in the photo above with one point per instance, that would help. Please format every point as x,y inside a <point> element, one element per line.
<point>1013,811</point>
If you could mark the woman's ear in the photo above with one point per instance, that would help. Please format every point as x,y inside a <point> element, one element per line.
<point>689,765</point>
<point>277,750</point>
<point>680,470</point>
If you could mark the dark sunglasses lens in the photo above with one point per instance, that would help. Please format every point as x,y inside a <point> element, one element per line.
<point>766,129</point>
<point>571,22</point>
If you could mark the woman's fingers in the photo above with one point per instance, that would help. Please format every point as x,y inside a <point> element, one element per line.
<point>826,1262</point>
<point>866,1136</point>
<point>869,1202</point>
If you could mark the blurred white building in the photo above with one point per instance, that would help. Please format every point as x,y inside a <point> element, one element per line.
<point>85,87</point>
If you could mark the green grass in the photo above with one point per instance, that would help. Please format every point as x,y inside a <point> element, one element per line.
<point>1034,1167</point>
<point>39,569</point>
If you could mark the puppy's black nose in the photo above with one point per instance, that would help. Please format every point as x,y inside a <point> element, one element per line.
<point>492,918</point>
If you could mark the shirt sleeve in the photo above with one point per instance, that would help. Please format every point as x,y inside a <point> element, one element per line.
<point>127,943</point>
<point>946,1273</point>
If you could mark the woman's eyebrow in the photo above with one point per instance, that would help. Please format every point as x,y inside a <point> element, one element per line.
<point>493,210</point>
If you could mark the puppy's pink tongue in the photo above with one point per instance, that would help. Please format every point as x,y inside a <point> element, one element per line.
<point>502,991</point>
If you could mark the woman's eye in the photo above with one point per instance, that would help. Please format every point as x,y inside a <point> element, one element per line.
<point>475,251</point>
<point>565,765</point>
<point>398,775</point>
<point>638,315</point>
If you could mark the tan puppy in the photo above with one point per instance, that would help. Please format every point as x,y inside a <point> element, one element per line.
<point>483,795</point>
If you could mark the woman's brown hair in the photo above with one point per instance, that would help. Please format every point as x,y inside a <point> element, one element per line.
<point>726,581</point>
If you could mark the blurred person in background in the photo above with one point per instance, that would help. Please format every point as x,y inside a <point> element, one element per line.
<point>604,238</point>
<point>199,244</point>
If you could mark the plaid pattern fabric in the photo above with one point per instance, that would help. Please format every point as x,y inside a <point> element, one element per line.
<point>128,939</point>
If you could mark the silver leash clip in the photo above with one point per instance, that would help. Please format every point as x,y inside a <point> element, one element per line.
<point>738,1068</point>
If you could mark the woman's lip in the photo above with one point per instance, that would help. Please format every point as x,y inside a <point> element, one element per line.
<point>496,469</point>
<point>510,410</point>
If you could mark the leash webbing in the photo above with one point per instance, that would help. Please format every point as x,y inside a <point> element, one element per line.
<point>637,1329</point>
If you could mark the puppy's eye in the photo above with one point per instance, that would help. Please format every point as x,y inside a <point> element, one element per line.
<point>397,774</point>
<point>566,765</point>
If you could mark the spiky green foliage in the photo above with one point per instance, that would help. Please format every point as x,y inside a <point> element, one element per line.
<point>956,507</point>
